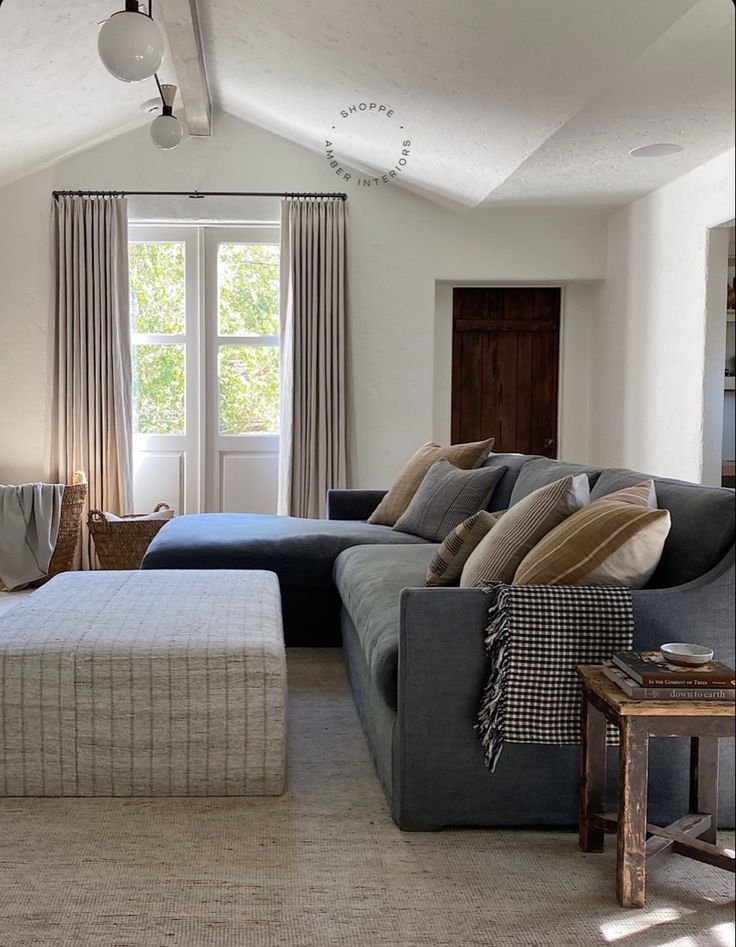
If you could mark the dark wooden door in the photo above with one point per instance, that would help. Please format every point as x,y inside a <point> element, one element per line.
<point>505,368</point>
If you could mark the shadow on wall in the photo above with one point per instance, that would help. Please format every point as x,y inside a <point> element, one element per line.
<point>654,342</point>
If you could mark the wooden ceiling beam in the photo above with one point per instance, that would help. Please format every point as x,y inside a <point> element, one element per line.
<point>185,40</point>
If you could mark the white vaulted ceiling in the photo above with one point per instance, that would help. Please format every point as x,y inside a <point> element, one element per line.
<point>55,94</point>
<point>505,101</point>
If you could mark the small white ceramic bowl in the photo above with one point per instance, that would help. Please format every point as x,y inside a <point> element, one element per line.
<point>690,654</point>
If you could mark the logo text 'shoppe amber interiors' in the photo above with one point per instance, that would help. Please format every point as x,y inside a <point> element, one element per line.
<point>379,123</point>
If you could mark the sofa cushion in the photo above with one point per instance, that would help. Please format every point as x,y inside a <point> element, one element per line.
<point>447,496</point>
<point>542,471</point>
<point>301,552</point>
<point>370,580</point>
<point>703,524</point>
<point>501,497</point>
<point>398,498</point>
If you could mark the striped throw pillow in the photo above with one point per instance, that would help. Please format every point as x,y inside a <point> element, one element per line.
<point>616,541</point>
<point>499,554</point>
<point>447,565</point>
<point>446,497</point>
<point>398,498</point>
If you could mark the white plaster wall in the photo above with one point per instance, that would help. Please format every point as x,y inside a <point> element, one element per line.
<point>400,245</point>
<point>656,355</point>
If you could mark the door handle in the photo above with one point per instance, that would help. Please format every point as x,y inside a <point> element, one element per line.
<point>550,442</point>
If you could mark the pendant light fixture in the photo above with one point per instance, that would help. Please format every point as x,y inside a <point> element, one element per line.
<point>166,130</point>
<point>130,44</point>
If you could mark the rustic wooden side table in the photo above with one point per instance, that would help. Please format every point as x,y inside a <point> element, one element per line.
<point>694,835</point>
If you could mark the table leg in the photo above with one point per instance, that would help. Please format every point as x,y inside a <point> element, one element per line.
<point>704,782</point>
<point>632,813</point>
<point>592,776</point>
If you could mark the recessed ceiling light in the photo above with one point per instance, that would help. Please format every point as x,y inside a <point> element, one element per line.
<point>660,150</point>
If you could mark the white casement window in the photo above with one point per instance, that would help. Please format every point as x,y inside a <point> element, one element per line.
<point>205,321</point>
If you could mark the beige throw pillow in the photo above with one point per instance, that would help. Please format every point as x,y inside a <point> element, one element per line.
<point>447,565</point>
<point>398,498</point>
<point>498,555</point>
<point>616,541</point>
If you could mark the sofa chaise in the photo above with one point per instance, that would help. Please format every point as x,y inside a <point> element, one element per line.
<point>415,655</point>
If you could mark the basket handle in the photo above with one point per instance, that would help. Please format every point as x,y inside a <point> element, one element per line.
<point>161,506</point>
<point>97,517</point>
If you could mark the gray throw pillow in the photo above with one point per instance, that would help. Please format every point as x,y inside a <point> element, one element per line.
<point>446,497</point>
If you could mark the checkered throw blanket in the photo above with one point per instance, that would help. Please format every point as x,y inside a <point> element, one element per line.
<point>537,636</point>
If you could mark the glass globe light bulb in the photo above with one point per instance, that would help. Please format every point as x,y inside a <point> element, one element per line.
<point>130,45</point>
<point>166,131</point>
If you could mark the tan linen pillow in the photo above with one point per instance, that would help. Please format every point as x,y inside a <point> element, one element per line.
<point>398,498</point>
<point>641,494</point>
<point>498,555</point>
<point>447,565</point>
<point>616,541</point>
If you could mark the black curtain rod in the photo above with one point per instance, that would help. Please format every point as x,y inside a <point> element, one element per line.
<point>195,195</point>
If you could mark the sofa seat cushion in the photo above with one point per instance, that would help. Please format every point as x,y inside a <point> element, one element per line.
<point>370,580</point>
<point>301,552</point>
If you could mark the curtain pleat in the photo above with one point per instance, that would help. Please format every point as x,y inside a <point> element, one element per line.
<point>313,450</point>
<point>92,427</point>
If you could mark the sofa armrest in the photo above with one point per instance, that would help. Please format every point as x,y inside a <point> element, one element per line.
<point>439,774</point>
<point>701,612</point>
<point>352,504</point>
<point>443,668</point>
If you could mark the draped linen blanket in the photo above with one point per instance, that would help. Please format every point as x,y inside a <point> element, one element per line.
<point>536,637</point>
<point>30,515</point>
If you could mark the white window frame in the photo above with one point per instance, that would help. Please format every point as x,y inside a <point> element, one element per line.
<point>219,445</point>
<point>202,449</point>
<point>185,446</point>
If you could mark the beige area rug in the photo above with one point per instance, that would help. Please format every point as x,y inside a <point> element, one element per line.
<point>323,866</point>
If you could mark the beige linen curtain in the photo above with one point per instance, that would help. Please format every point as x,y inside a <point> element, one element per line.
<point>91,424</point>
<point>313,449</point>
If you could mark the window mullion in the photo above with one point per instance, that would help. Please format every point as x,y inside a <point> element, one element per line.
<point>140,338</point>
<point>252,340</point>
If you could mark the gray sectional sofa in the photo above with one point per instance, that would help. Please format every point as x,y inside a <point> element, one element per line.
<point>415,655</point>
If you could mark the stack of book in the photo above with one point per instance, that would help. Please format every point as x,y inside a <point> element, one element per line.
<point>646,675</point>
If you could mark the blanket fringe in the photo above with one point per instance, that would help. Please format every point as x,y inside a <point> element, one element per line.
<point>492,713</point>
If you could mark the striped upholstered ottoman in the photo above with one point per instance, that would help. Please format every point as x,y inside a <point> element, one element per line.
<point>144,684</point>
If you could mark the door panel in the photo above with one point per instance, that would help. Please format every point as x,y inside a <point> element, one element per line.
<point>505,367</point>
<point>205,317</point>
<point>242,355</point>
<point>166,379</point>
<point>249,481</point>
<point>159,477</point>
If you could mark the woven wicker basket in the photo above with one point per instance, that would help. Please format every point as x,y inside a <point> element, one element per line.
<point>70,528</point>
<point>122,544</point>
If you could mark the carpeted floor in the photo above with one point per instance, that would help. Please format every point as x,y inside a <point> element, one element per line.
<point>323,866</point>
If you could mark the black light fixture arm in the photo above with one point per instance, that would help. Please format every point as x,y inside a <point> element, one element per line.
<point>160,92</point>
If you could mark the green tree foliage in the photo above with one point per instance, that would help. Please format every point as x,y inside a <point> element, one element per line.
<point>157,288</point>
<point>158,389</point>
<point>248,296</point>
<point>248,305</point>
<point>249,389</point>
<point>248,289</point>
